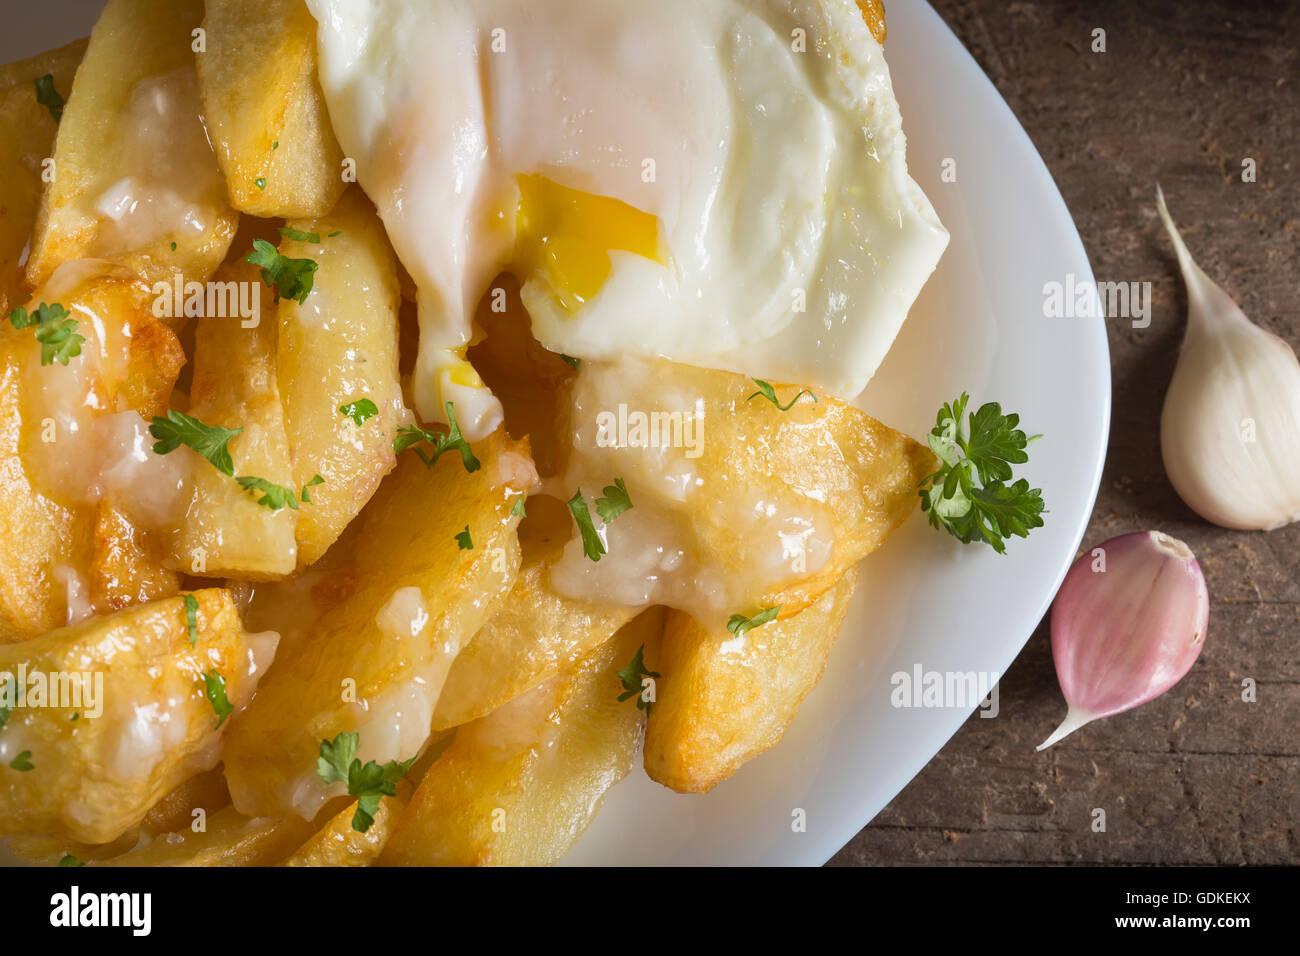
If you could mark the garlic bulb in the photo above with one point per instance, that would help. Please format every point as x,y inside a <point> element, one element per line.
<point>1127,624</point>
<point>1230,429</point>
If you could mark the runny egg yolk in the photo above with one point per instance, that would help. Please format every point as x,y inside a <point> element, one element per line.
<point>564,236</point>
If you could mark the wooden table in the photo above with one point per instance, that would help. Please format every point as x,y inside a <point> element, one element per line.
<point>1184,93</point>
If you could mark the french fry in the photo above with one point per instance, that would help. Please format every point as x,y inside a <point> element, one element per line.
<point>225,531</point>
<point>27,131</point>
<point>519,786</point>
<point>265,111</point>
<point>378,659</point>
<point>338,843</point>
<point>135,180</point>
<point>126,566</point>
<point>94,777</point>
<point>229,839</point>
<point>339,347</point>
<point>724,699</point>
<point>832,482</point>
<point>536,634</point>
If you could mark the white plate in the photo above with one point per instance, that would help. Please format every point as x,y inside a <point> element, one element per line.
<point>925,599</point>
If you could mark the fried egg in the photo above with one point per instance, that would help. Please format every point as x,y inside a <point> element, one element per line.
<point>721,183</point>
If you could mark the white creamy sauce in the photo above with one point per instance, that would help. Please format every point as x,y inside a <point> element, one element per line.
<point>797,241</point>
<point>173,186</point>
<point>405,615</point>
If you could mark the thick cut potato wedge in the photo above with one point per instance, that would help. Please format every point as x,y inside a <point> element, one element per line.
<point>149,726</point>
<point>378,659</point>
<point>27,131</point>
<point>225,531</point>
<point>264,108</point>
<point>338,347</point>
<point>723,699</point>
<point>519,786</point>
<point>228,839</point>
<point>135,180</point>
<point>337,843</point>
<point>766,508</point>
<point>66,439</point>
<point>535,635</point>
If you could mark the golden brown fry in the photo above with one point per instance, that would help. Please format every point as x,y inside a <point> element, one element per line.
<point>96,776</point>
<point>724,699</point>
<point>27,131</point>
<point>265,111</point>
<point>227,839</point>
<point>225,531</point>
<point>338,843</point>
<point>131,133</point>
<point>127,564</point>
<point>379,657</point>
<point>339,347</point>
<point>519,786</point>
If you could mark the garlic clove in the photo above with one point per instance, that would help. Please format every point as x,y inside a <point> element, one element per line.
<point>1127,624</point>
<point>1230,427</point>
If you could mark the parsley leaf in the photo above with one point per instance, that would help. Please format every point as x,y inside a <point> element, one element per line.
<point>56,332</point>
<point>297,235</point>
<point>210,441</point>
<point>615,502</point>
<point>411,435</point>
<point>370,783</point>
<point>464,540</point>
<point>192,618</point>
<point>214,687</point>
<point>305,495</point>
<point>274,496</point>
<point>291,278</point>
<point>359,410</point>
<point>575,362</point>
<point>632,675</point>
<point>989,510</point>
<point>738,624</point>
<point>49,97</point>
<point>5,710</point>
<point>767,391</point>
<point>592,546</point>
<point>260,182</point>
<point>22,762</point>
<point>69,860</point>
<point>518,507</point>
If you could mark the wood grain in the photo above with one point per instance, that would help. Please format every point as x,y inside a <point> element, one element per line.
<point>1184,93</point>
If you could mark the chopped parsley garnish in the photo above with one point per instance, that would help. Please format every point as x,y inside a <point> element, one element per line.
<point>336,232</point>
<point>49,97</point>
<point>297,235</point>
<point>338,763</point>
<point>23,762</point>
<point>518,507</point>
<point>615,501</point>
<point>465,542</point>
<point>305,495</point>
<point>210,441</point>
<point>260,182</point>
<point>968,496</point>
<point>69,860</point>
<point>275,145</point>
<point>575,362</point>
<point>767,391</point>
<point>214,686</point>
<point>273,496</point>
<point>173,247</point>
<point>291,278</point>
<point>632,675</point>
<point>411,435</point>
<point>592,546</point>
<point>359,410</point>
<point>738,624</point>
<point>192,618</point>
<point>56,332</point>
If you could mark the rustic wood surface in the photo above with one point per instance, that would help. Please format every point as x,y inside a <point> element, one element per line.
<point>1183,94</point>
